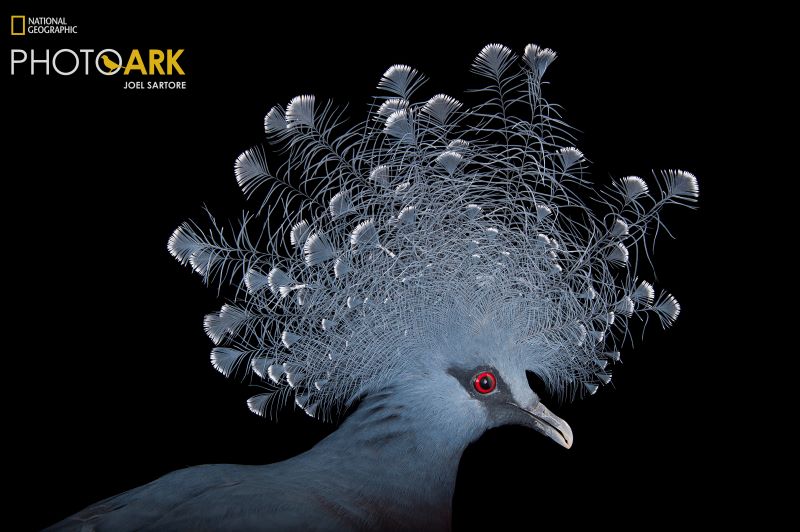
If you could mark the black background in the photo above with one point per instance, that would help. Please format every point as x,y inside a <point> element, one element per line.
<point>107,383</point>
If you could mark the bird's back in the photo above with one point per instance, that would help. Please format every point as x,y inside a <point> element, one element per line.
<point>364,476</point>
<point>218,497</point>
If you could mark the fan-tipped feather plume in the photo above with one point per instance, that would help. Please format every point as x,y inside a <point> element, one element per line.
<point>300,111</point>
<point>275,122</point>
<point>401,80</point>
<point>493,61</point>
<point>539,59</point>
<point>251,169</point>
<point>440,108</point>
<point>428,224</point>
<point>392,105</point>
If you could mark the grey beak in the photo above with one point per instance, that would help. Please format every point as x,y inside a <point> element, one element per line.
<point>544,421</point>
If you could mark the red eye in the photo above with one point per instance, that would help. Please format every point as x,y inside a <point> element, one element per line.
<point>485,382</point>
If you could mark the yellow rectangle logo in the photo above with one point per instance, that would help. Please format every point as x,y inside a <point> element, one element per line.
<point>17,25</point>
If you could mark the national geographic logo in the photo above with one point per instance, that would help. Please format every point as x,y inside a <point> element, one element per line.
<point>22,25</point>
<point>141,68</point>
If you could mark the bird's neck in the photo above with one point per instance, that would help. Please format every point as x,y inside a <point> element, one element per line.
<point>401,459</point>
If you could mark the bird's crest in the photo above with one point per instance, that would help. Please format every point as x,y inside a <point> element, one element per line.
<point>428,222</point>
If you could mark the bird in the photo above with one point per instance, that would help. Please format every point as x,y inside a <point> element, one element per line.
<point>411,270</point>
<point>109,64</point>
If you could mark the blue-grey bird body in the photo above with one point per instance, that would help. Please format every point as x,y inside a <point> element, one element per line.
<point>391,465</point>
<point>422,263</point>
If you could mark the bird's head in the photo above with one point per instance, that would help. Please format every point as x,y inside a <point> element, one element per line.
<point>499,395</point>
<point>438,250</point>
<point>471,379</point>
<point>496,393</point>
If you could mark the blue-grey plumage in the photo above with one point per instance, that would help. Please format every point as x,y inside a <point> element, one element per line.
<point>423,261</point>
<point>390,466</point>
